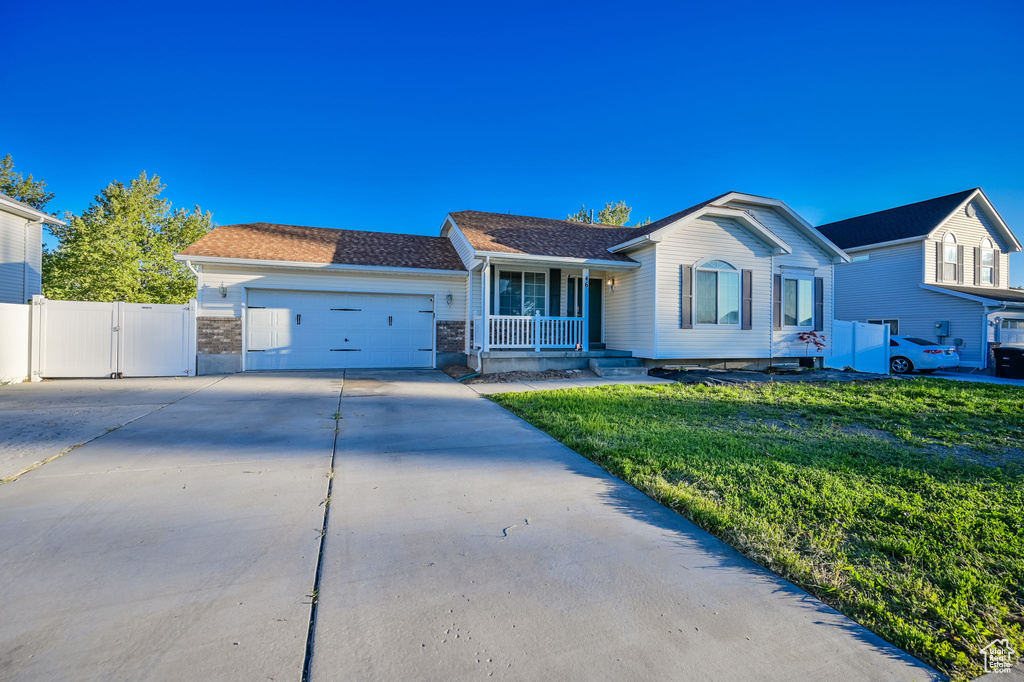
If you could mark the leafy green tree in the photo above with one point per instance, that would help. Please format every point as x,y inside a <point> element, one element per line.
<point>26,190</point>
<point>121,248</point>
<point>613,213</point>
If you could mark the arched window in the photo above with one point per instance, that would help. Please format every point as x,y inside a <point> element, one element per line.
<point>718,293</point>
<point>949,258</point>
<point>988,262</point>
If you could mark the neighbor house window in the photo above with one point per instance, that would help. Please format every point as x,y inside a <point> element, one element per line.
<point>894,325</point>
<point>798,302</point>
<point>988,262</point>
<point>521,293</point>
<point>949,258</point>
<point>718,293</point>
<point>1013,324</point>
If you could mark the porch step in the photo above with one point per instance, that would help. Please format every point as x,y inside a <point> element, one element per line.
<point>618,367</point>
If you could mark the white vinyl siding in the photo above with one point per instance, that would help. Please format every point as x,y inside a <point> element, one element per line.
<point>969,233</point>
<point>629,307</point>
<point>887,286</point>
<point>697,241</point>
<point>21,243</point>
<point>234,278</point>
<point>806,255</point>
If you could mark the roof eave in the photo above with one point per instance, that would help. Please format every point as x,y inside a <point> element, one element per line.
<point>261,262</point>
<point>22,211</point>
<point>892,242</point>
<point>552,260</point>
<point>642,240</point>
<point>984,300</point>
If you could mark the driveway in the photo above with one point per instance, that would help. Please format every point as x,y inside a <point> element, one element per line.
<point>461,543</point>
<point>465,544</point>
<point>181,546</point>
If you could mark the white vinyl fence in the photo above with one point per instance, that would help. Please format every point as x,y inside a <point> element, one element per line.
<point>83,339</point>
<point>862,346</point>
<point>14,342</point>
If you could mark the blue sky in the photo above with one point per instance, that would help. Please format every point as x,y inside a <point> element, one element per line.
<point>386,116</point>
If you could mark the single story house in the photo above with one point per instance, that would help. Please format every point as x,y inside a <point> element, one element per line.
<point>733,279</point>
<point>21,250</point>
<point>936,269</point>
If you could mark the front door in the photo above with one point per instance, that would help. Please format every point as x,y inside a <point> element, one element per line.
<point>575,304</point>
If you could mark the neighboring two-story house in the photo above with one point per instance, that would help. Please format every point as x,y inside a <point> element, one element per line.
<point>21,250</point>
<point>733,279</point>
<point>935,269</point>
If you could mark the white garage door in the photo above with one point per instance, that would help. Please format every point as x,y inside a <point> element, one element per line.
<point>1012,332</point>
<point>329,330</point>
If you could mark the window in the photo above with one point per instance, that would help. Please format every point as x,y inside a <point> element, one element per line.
<point>798,302</point>
<point>988,262</point>
<point>919,341</point>
<point>521,293</point>
<point>894,325</point>
<point>949,258</point>
<point>718,293</point>
<point>1013,324</point>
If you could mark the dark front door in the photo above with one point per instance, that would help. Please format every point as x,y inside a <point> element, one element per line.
<point>575,307</point>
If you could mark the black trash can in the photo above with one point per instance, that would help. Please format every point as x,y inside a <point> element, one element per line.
<point>1009,362</point>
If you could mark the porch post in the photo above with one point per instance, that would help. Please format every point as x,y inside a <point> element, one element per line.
<point>586,310</point>
<point>485,291</point>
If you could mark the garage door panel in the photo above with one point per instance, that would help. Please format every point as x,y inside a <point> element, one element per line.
<point>314,330</point>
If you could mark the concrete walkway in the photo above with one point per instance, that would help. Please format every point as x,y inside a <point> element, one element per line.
<point>182,546</point>
<point>978,378</point>
<point>465,544</point>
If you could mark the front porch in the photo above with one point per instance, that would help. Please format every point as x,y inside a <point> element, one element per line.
<point>495,361</point>
<point>519,305</point>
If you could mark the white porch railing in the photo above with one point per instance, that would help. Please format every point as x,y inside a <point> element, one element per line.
<point>522,331</point>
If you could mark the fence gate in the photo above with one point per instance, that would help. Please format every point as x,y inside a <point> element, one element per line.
<point>862,346</point>
<point>81,339</point>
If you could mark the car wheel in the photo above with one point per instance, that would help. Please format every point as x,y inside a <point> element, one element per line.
<point>901,366</point>
<point>926,371</point>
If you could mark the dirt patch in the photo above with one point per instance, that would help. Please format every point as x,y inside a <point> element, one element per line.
<point>525,377</point>
<point>458,371</point>
<point>719,377</point>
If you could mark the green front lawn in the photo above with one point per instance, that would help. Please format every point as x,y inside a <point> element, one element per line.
<point>900,503</point>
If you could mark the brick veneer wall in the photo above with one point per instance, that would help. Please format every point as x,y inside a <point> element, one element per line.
<point>451,337</point>
<point>219,335</point>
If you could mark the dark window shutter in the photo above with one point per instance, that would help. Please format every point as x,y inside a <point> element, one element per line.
<point>747,310</point>
<point>995,267</point>
<point>494,287</point>
<point>960,264</point>
<point>554,297</point>
<point>819,304</point>
<point>777,301</point>
<point>938,261</point>
<point>685,297</point>
<point>977,266</point>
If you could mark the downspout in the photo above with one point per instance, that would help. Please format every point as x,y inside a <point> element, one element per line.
<point>188,264</point>
<point>483,316</point>
<point>771,311</point>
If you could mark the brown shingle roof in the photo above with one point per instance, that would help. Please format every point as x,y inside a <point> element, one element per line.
<point>540,236</point>
<point>266,241</point>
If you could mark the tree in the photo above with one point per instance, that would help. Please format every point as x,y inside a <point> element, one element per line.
<point>26,190</point>
<point>612,214</point>
<point>121,248</point>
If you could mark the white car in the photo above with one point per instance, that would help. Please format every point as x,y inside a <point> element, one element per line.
<point>907,353</point>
